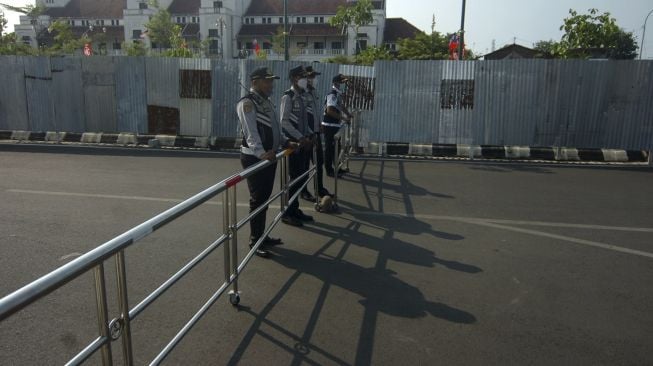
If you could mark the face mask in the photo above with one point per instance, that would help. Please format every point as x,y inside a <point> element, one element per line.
<point>303,83</point>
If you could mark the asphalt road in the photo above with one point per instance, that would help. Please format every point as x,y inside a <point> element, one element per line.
<point>429,263</point>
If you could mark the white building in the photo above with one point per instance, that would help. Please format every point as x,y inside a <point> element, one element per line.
<point>232,27</point>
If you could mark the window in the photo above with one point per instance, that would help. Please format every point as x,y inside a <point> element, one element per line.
<point>265,20</point>
<point>267,45</point>
<point>117,46</point>
<point>195,84</point>
<point>299,20</point>
<point>213,47</point>
<point>318,45</point>
<point>269,20</point>
<point>213,33</point>
<point>280,20</point>
<point>361,45</point>
<point>315,20</point>
<point>178,20</point>
<point>303,19</point>
<point>321,19</point>
<point>336,45</point>
<point>457,94</point>
<point>183,20</point>
<point>217,4</point>
<point>142,5</point>
<point>361,35</point>
<point>27,40</point>
<point>136,34</point>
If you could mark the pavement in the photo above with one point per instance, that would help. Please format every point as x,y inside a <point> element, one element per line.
<point>430,262</point>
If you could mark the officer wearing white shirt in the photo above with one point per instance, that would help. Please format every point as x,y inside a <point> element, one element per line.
<point>294,123</point>
<point>334,113</point>
<point>262,140</point>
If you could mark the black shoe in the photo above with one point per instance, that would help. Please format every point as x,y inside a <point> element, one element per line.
<point>260,251</point>
<point>307,196</point>
<point>271,242</point>
<point>323,192</point>
<point>303,217</point>
<point>292,221</point>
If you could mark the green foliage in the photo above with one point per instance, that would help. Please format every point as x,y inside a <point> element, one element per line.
<point>357,16</point>
<point>546,47</point>
<point>371,54</point>
<point>341,59</point>
<point>592,32</point>
<point>134,48</point>
<point>65,42</point>
<point>278,42</point>
<point>30,10</point>
<point>434,46</point>
<point>161,29</point>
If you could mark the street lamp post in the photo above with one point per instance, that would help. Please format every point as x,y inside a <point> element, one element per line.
<point>641,49</point>
<point>461,46</point>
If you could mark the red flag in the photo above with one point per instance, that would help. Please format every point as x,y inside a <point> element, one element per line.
<point>257,48</point>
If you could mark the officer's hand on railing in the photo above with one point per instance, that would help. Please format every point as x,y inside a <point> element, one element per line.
<point>269,155</point>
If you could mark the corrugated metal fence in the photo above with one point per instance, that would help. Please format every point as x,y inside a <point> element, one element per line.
<point>593,104</point>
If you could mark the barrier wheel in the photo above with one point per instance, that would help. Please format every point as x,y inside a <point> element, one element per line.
<point>234,298</point>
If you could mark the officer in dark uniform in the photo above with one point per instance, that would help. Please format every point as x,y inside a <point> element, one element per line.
<point>334,112</point>
<point>294,123</point>
<point>314,112</point>
<point>262,139</point>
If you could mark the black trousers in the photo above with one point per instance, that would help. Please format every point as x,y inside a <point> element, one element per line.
<point>330,147</point>
<point>260,187</point>
<point>319,164</point>
<point>295,170</point>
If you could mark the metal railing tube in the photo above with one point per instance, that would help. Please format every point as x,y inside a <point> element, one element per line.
<point>102,313</point>
<point>176,277</point>
<point>191,323</point>
<point>66,273</point>
<point>88,351</point>
<point>123,304</point>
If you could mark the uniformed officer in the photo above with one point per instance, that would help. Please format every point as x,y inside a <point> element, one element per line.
<point>312,101</point>
<point>262,139</point>
<point>334,113</point>
<point>294,123</point>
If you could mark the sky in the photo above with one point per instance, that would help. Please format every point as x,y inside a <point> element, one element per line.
<point>502,21</point>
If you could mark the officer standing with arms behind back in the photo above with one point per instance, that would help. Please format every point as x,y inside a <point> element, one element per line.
<point>334,112</point>
<point>314,112</point>
<point>262,139</point>
<point>294,123</point>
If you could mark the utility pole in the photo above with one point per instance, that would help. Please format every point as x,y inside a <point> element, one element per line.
<point>285,30</point>
<point>461,46</point>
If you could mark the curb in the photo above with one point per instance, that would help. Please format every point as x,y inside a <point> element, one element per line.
<point>121,139</point>
<point>506,152</point>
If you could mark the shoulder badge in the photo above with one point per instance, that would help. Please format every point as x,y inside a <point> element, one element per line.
<point>248,106</point>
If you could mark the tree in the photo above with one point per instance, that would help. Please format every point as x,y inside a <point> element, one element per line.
<point>356,16</point>
<point>64,40</point>
<point>32,11</point>
<point>371,54</point>
<point>546,47</point>
<point>424,46</point>
<point>135,48</point>
<point>594,33</point>
<point>160,28</point>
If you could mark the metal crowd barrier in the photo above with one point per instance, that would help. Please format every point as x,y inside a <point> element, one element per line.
<point>346,142</point>
<point>119,327</point>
